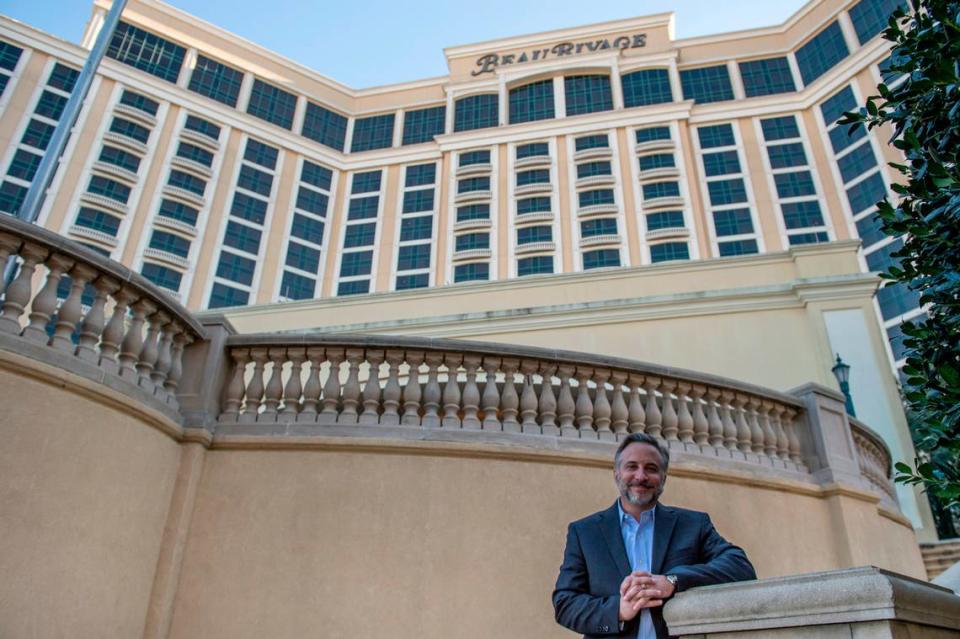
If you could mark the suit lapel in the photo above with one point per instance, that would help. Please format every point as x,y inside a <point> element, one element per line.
<point>663,524</point>
<point>610,526</point>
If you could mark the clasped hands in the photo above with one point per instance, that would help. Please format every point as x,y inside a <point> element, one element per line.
<point>641,590</point>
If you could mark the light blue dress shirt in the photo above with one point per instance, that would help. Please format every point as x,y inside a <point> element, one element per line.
<point>638,540</point>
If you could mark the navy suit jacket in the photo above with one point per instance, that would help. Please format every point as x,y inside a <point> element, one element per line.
<point>587,595</point>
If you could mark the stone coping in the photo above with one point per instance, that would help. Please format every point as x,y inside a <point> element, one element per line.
<point>357,340</point>
<point>103,265</point>
<point>852,595</point>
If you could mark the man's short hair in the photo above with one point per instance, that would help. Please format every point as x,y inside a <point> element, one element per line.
<point>643,438</point>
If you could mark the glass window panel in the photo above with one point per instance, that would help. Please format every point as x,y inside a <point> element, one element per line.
<point>766,77</point>
<point>600,226</point>
<point>297,287</point>
<point>657,161</point>
<point>856,162</point>
<point>421,174</point>
<point>822,53</point>
<point>797,215</point>
<point>367,182</point>
<point>649,86</point>
<point>661,189</point>
<point>597,196</point>
<point>782,128</point>
<point>129,129</point>
<point>236,268</point>
<point>307,228</point>
<point>12,197</point>
<point>531,102</point>
<point>162,276</point>
<point>38,134</point>
<point>870,229</point>
<point>707,84</point>
<point>260,153</point>
<point>416,201</point>
<point>216,80</point>
<point>418,280</point>
<point>732,222</point>
<point>587,94</point>
<point>223,296</point>
<point>272,104</point>
<point>835,106</point>
<point>249,208</point>
<point>867,193</point>
<point>653,133</point>
<point>255,180</point>
<point>303,257</point>
<point>187,182</point>
<point>716,135</point>
<point>737,247</point>
<point>24,165</point>
<point>9,56</point>
<point>316,175</point>
<point>870,17</point>
<point>353,288</point>
<point>360,235</point>
<point>243,237</point>
<point>356,263</point>
<point>784,155</point>
<point>591,142</point>
<point>98,221</point>
<point>532,234</point>
<point>468,185</point>
<point>362,208</point>
<point>476,112</point>
<point>534,265</point>
<point>312,201</point>
<point>179,211</point>
<point>472,241</point>
<point>532,150</point>
<point>532,205</point>
<point>324,126</point>
<point>195,153</point>
<point>475,212</point>
<point>471,272</point>
<point>422,125</point>
<point>170,243</point>
<point>669,251</point>
<point>203,127</point>
<point>146,52</point>
<point>536,176</point>
<point>474,157</point>
<point>794,184</point>
<point>727,192</point>
<point>721,163</point>
<point>374,132</point>
<point>665,220</point>
<point>604,258</point>
<point>413,257</point>
<point>817,237</point>
<point>50,105</point>
<point>109,188</point>
<point>590,169</point>
<point>416,228</point>
<point>843,136</point>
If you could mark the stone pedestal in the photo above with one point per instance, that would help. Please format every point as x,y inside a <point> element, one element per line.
<point>857,603</point>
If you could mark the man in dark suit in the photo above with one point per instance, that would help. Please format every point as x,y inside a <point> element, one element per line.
<point>622,563</point>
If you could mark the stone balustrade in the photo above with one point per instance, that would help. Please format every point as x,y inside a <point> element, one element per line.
<point>876,466</point>
<point>109,317</point>
<point>449,384</point>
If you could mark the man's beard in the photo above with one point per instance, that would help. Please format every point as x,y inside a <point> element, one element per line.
<point>638,500</point>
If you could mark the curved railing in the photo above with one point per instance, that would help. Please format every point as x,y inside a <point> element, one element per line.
<point>876,464</point>
<point>451,384</point>
<point>87,306</point>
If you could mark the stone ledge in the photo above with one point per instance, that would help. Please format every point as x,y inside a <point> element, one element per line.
<point>850,596</point>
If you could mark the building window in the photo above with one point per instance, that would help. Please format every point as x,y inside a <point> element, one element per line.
<point>657,161</point>
<point>236,268</point>
<point>706,84</point>
<point>715,136</point>
<point>249,208</point>
<point>423,124</point>
<point>363,208</point>
<point>109,188</point>
<point>817,237</point>
<point>303,257</point>
<point>24,165</point>
<point>534,149</point>
<point>766,77</point>
<point>536,176</point>
<point>420,175</point>
<point>416,228</point>
<point>857,161</point>
<point>125,128</point>
<point>870,17</point>
<point>533,205</point>
<point>649,86</point>
<point>474,212</point>
<point>786,155</point>
<point>357,235</point>
<point>591,169</point>
<point>260,153</point>
<point>591,142</point>
<point>9,56</point>
<point>179,211</point>
<point>243,237</point>
<point>604,258</point>
<point>661,189</point>
<point>737,247</point>
<point>255,180</point>
<point>534,234</point>
<point>358,263</point>
<point>193,153</point>
<point>367,182</point>
<point>188,182</point>
<point>476,112</point>
<point>272,104</point>
<point>162,276</point>
<point>732,222</point>
<point>307,228</point>
<point>416,201</point>
<point>50,105</point>
<point>601,226</point>
<point>223,296</point>
<point>358,287</point>
<point>203,127</point>
<point>727,192</point>
<point>532,102</point>
<point>669,251</point>
<point>653,133</point>
<point>534,265</point>
<point>472,242</point>
<point>216,81</point>
<point>587,94</point>
<point>471,272</point>
<point>147,52</point>
<point>665,220</point>
<point>595,197</point>
<point>782,128</point>
<point>867,193</point>
<point>316,175</point>
<point>324,126</point>
<point>794,184</point>
<point>294,286</point>
<point>11,197</point>
<point>801,214</point>
<point>374,132</point>
<point>469,185</point>
<point>98,221</point>
<point>721,163</point>
<point>170,243</point>
<point>418,280</point>
<point>822,53</point>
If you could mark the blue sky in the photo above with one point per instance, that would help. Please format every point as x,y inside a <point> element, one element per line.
<point>376,42</point>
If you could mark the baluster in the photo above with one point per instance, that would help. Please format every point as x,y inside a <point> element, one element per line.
<point>638,416</point>
<point>9,245</point>
<point>729,426</point>
<point>684,418</point>
<point>509,400</point>
<point>566,408</point>
<point>255,386</point>
<point>451,392</point>
<point>793,442</point>
<point>18,293</point>
<point>431,393</point>
<point>180,341</point>
<point>371,390</point>
<point>95,321</point>
<point>113,333</point>
<point>654,416</point>
<point>601,406</point>
<point>769,434</point>
<point>471,393</point>
<point>274,389</point>
<point>331,388</point>
<point>294,387</point>
<point>715,432</point>
<point>411,392</point>
<point>783,442</point>
<point>756,433</point>
<point>312,389</point>
<point>528,399</point>
<point>547,403</point>
<point>45,303</point>
<point>584,405</point>
<point>235,388</point>
<point>149,351</point>
<point>743,428</point>
<point>701,427</point>
<point>618,407</point>
<point>71,311</point>
<point>164,359</point>
<point>491,395</point>
<point>391,390</point>
<point>133,340</point>
<point>669,419</point>
<point>351,388</point>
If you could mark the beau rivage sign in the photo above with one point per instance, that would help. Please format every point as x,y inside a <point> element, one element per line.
<point>488,63</point>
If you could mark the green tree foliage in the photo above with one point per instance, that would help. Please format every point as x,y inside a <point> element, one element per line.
<point>924,112</point>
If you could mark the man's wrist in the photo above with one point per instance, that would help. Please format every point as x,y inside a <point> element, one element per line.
<point>673,579</point>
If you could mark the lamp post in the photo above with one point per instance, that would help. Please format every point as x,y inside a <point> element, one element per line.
<point>842,372</point>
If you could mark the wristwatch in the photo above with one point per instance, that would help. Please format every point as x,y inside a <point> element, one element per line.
<point>673,581</point>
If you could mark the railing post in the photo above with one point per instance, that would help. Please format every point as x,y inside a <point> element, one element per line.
<point>825,436</point>
<point>206,367</point>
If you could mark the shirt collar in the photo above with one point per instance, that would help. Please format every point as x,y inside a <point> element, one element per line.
<point>646,516</point>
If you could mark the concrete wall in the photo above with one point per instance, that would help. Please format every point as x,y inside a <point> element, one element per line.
<point>84,492</point>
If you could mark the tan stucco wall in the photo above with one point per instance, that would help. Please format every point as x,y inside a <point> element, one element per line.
<point>358,543</point>
<point>84,492</point>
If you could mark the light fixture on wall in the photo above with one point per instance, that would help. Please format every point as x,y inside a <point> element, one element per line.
<point>841,371</point>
